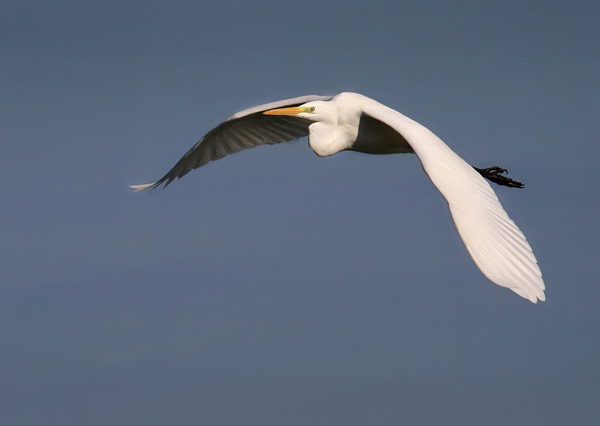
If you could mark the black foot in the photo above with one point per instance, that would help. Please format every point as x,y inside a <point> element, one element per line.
<point>495,175</point>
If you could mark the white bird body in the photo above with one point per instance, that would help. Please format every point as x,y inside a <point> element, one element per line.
<point>350,121</point>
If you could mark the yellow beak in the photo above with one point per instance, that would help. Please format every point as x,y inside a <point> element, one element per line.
<point>287,111</point>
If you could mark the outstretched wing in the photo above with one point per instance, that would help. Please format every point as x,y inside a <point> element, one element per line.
<point>245,129</point>
<point>495,243</point>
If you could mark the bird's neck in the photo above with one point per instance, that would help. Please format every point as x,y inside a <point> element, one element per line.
<point>327,138</point>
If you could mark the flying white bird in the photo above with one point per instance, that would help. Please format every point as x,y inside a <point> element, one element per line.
<point>354,122</point>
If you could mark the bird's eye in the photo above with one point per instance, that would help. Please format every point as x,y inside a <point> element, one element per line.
<point>312,109</point>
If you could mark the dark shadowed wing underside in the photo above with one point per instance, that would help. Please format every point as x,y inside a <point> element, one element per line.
<point>244,130</point>
<point>376,137</point>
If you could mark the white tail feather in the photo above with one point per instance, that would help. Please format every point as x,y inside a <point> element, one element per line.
<point>138,188</point>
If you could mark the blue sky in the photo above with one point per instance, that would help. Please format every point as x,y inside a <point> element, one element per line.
<point>275,287</point>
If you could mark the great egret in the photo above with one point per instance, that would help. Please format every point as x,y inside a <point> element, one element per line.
<point>350,121</point>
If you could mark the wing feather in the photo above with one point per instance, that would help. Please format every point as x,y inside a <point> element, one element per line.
<point>493,240</point>
<point>244,130</point>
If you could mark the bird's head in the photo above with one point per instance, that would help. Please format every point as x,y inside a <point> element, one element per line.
<point>317,111</point>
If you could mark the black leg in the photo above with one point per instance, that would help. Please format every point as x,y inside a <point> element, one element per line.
<point>495,175</point>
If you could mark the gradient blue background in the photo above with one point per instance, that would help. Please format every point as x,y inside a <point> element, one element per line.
<point>275,287</point>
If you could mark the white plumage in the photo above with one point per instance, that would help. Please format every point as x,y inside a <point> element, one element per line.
<point>350,121</point>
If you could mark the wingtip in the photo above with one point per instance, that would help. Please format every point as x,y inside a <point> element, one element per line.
<point>533,297</point>
<point>138,188</point>
<point>542,296</point>
<point>538,298</point>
